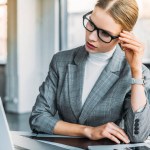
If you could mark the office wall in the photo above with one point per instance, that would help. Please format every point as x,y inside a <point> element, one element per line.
<point>28,48</point>
<point>31,45</point>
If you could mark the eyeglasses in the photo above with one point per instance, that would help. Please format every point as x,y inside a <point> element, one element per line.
<point>102,34</point>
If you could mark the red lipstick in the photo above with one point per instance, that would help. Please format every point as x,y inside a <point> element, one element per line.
<point>90,46</point>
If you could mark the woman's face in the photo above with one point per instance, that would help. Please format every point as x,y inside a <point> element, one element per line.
<point>103,21</point>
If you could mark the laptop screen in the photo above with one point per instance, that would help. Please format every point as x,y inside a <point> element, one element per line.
<point>5,140</point>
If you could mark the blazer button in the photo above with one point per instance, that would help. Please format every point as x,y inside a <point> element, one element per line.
<point>136,124</point>
<point>136,132</point>
<point>136,128</point>
<point>137,120</point>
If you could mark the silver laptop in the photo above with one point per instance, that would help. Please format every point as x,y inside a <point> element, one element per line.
<point>22,143</point>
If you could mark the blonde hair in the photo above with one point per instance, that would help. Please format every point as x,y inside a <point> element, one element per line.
<point>124,12</point>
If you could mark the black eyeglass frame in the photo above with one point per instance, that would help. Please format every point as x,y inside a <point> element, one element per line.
<point>97,29</point>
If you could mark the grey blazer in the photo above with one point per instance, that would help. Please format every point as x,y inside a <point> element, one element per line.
<point>109,100</point>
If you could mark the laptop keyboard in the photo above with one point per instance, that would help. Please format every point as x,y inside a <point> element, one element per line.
<point>19,148</point>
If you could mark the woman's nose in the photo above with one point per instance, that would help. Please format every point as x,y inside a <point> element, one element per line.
<point>93,36</point>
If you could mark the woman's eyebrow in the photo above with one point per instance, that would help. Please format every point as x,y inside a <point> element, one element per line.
<point>101,28</point>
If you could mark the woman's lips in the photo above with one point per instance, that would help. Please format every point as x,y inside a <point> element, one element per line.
<point>90,46</point>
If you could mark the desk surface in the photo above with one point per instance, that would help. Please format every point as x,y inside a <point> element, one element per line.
<point>82,143</point>
<point>79,142</point>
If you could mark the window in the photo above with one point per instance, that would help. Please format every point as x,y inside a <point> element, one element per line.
<point>142,29</point>
<point>3,31</point>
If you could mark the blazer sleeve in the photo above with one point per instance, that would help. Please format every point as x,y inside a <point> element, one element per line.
<point>137,124</point>
<point>43,117</point>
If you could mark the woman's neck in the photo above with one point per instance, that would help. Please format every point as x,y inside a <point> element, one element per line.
<point>101,57</point>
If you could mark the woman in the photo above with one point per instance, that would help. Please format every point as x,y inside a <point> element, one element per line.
<point>96,86</point>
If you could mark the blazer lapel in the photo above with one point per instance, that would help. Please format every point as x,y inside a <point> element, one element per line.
<point>107,78</point>
<point>76,74</point>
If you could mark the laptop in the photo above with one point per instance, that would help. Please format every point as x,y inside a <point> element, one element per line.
<point>20,143</point>
<point>121,147</point>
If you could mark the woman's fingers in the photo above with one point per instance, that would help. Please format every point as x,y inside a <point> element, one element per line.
<point>119,136</point>
<point>113,138</point>
<point>119,133</point>
<point>110,131</point>
<point>128,36</point>
<point>117,128</point>
<point>130,41</point>
<point>130,46</point>
<point>115,133</point>
<point>135,49</point>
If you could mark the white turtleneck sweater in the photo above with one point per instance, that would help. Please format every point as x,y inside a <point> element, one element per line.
<point>95,64</point>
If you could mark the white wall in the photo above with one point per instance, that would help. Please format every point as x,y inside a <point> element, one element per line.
<point>29,48</point>
<point>30,52</point>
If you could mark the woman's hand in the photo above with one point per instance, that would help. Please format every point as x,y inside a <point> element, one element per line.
<point>134,50</point>
<point>109,130</point>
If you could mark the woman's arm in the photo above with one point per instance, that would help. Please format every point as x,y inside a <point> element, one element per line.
<point>109,130</point>
<point>43,117</point>
<point>70,129</point>
<point>134,51</point>
<point>136,123</point>
<point>138,97</point>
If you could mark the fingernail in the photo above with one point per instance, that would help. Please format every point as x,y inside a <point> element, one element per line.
<point>127,140</point>
<point>118,141</point>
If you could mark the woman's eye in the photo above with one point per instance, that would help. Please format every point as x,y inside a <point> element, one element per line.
<point>105,34</point>
<point>91,24</point>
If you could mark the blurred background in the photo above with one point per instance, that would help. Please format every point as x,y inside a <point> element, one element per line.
<point>31,32</point>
